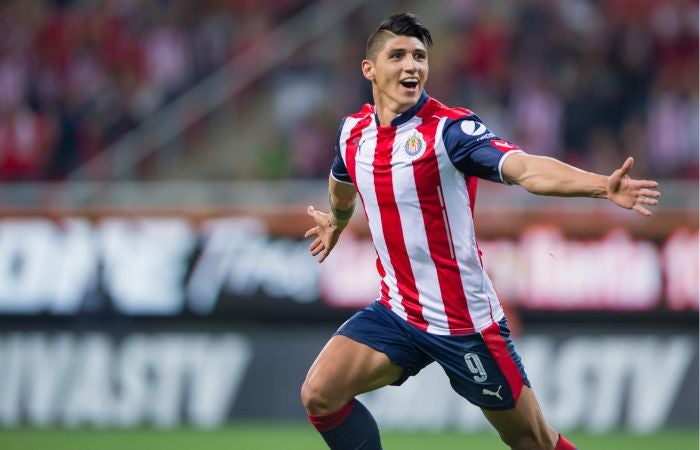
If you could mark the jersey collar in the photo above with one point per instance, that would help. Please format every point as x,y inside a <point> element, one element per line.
<point>408,115</point>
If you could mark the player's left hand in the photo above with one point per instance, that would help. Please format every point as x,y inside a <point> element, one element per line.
<point>630,193</point>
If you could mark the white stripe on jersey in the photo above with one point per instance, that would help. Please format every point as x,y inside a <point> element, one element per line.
<point>364,161</point>
<point>482,301</point>
<point>415,235</point>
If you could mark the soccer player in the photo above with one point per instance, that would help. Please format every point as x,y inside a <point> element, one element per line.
<point>415,163</point>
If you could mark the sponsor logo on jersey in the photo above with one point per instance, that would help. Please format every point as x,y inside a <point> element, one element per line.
<point>414,146</point>
<point>473,128</point>
<point>496,393</point>
<point>504,146</point>
<point>358,145</point>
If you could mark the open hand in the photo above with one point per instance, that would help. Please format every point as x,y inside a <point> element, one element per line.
<point>630,193</point>
<point>326,233</point>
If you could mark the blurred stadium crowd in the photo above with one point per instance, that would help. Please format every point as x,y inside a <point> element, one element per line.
<point>583,80</point>
<point>591,81</point>
<point>76,75</point>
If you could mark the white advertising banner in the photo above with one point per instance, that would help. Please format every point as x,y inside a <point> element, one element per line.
<point>167,266</point>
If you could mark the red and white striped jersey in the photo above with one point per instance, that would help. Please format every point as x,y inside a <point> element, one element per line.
<point>417,182</point>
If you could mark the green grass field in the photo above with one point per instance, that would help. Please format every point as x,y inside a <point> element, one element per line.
<point>302,437</point>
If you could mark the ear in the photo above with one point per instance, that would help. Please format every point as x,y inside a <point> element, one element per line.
<point>368,69</point>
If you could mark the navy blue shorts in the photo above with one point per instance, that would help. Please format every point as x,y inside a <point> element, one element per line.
<point>482,367</point>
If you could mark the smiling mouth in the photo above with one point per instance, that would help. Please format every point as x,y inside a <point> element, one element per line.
<point>409,84</point>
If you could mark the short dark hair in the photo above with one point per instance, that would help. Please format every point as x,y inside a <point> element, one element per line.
<point>402,24</point>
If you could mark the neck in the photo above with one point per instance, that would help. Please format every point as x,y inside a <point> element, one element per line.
<point>387,110</point>
<point>386,117</point>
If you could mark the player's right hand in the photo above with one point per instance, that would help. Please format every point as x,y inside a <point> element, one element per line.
<point>326,234</point>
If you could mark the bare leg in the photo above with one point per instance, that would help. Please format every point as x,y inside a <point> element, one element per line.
<point>523,427</point>
<point>344,369</point>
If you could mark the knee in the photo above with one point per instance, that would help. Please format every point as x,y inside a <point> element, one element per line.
<point>317,400</point>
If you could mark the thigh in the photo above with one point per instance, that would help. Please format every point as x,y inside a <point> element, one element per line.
<point>369,351</point>
<point>380,329</point>
<point>346,368</point>
<point>524,423</point>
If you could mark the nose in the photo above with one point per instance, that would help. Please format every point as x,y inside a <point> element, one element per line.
<point>409,64</point>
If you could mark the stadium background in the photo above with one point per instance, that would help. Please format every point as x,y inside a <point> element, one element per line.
<point>156,159</point>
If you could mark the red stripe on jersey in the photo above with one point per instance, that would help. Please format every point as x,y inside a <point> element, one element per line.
<point>499,350</point>
<point>384,292</point>
<point>463,111</point>
<point>471,192</point>
<point>427,176</point>
<point>351,146</point>
<point>446,111</point>
<point>391,226</point>
<point>366,110</point>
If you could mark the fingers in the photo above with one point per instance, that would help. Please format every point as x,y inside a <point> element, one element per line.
<point>322,250</point>
<point>318,216</point>
<point>317,247</point>
<point>313,231</point>
<point>649,193</point>
<point>646,197</point>
<point>310,210</point>
<point>323,256</point>
<point>642,210</point>
<point>648,201</point>
<point>627,166</point>
<point>315,243</point>
<point>619,174</point>
<point>643,184</point>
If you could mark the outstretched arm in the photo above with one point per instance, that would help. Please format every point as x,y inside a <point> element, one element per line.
<point>329,226</point>
<point>548,176</point>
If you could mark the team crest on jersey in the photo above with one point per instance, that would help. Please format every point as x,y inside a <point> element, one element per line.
<point>414,146</point>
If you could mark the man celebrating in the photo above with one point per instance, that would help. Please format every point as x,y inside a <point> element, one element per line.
<point>415,163</point>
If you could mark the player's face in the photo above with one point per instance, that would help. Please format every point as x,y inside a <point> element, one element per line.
<point>399,72</point>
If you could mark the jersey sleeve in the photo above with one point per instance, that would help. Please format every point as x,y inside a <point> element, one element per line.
<point>339,171</point>
<point>474,149</point>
